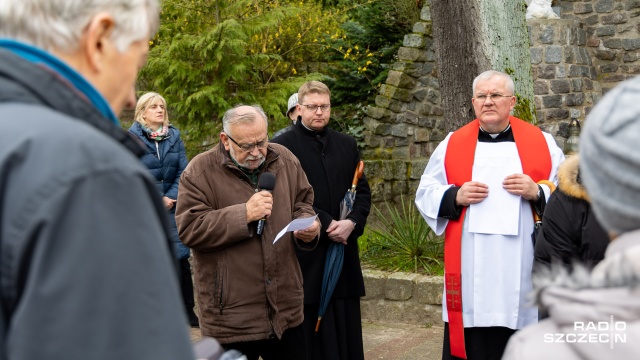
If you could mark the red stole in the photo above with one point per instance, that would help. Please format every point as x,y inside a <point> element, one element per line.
<point>458,162</point>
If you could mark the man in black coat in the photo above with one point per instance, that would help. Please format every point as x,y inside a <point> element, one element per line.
<point>329,159</point>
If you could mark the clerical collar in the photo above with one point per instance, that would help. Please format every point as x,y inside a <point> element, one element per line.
<point>505,135</point>
<point>315,133</point>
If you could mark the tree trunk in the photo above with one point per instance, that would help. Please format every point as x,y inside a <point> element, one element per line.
<point>472,36</point>
<point>217,11</point>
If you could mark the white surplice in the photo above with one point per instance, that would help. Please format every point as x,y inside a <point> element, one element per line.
<point>496,269</point>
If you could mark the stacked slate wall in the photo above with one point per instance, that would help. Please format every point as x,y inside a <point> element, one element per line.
<point>612,36</point>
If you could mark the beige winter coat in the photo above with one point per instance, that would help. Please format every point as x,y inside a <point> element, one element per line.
<point>591,315</point>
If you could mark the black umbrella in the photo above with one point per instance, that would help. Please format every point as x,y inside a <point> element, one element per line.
<point>335,252</point>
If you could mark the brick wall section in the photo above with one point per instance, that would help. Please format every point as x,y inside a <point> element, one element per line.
<point>612,36</point>
<point>402,298</point>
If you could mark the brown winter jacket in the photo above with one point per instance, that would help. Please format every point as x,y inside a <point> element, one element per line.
<point>247,287</point>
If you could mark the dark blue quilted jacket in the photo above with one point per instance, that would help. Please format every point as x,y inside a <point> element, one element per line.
<point>166,160</point>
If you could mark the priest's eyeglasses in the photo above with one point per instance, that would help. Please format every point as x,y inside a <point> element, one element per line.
<point>314,108</point>
<point>249,147</point>
<point>493,97</point>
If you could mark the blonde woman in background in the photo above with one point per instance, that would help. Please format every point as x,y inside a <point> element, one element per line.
<point>166,159</point>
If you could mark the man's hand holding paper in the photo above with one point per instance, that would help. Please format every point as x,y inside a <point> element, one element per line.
<point>304,229</point>
<point>309,233</point>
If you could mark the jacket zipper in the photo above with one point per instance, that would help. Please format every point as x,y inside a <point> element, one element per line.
<point>221,293</point>
<point>218,287</point>
<point>270,317</point>
<point>157,150</point>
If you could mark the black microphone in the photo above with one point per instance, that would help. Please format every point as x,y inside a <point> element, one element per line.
<point>267,181</point>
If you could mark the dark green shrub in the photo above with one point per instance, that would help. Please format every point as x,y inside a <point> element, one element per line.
<point>359,60</point>
<point>403,242</point>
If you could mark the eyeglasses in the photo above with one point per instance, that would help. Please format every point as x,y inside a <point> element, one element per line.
<point>493,97</point>
<point>249,147</point>
<point>314,108</point>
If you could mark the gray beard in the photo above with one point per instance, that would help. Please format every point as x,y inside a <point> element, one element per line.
<point>246,163</point>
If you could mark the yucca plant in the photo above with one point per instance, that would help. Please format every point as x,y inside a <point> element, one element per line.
<point>403,241</point>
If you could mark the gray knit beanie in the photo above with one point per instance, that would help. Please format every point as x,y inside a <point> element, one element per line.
<point>610,157</point>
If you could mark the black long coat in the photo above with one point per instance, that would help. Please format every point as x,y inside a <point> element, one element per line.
<point>329,159</point>
<point>570,230</point>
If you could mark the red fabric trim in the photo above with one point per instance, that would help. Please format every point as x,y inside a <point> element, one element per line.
<point>458,162</point>
<point>536,163</point>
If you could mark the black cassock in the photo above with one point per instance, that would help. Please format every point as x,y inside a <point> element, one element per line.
<point>329,159</point>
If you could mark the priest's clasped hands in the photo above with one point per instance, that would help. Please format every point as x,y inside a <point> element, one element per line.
<point>473,192</point>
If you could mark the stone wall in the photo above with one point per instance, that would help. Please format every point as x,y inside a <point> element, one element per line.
<point>612,36</point>
<point>406,122</point>
<point>402,298</point>
<point>565,85</point>
<point>404,126</point>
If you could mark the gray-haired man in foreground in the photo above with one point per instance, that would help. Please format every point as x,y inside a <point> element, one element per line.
<point>86,270</point>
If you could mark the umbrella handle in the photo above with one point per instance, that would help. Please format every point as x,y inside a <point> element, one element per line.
<point>358,174</point>
<point>318,323</point>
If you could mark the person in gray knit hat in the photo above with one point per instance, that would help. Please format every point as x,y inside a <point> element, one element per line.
<point>611,158</point>
<point>596,315</point>
<point>292,113</point>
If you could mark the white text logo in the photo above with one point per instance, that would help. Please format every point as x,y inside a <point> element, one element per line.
<point>600,332</point>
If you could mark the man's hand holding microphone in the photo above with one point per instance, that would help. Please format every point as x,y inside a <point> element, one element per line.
<point>260,205</point>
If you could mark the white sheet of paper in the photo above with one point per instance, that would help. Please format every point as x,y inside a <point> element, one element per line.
<point>297,224</point>
<point>498,213</point>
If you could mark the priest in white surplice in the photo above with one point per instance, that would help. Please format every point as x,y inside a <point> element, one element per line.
<point>480,186</point>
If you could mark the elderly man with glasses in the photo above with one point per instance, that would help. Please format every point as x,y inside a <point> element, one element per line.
<point>329,159</point>
<point>480,186</point>
<point>249,288</point>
